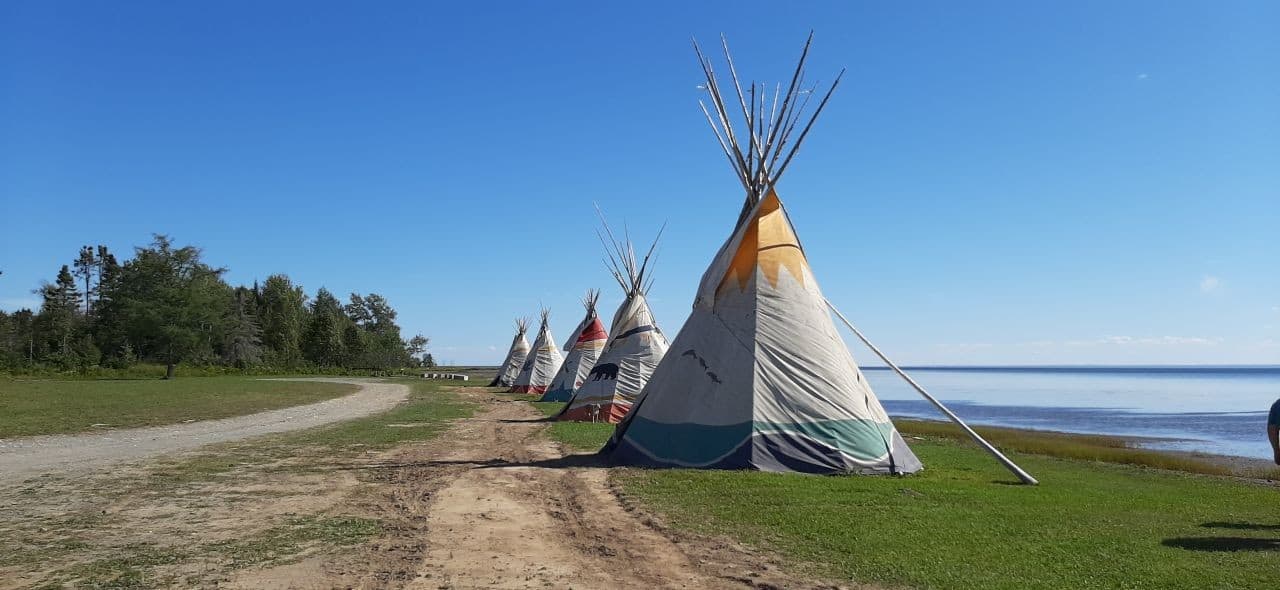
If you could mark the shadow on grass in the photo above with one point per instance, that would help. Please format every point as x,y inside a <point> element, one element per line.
<point>1223,543</point>
<point>1242,526</point>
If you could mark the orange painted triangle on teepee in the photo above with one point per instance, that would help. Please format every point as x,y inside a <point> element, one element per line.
<point>768,244</point>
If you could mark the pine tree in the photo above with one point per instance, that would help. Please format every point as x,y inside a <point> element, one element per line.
<point>322,341</point>
<point>283,318</point>
<point>57,320</point>
<point>109,330</point>
<point>85,266</point>
<point>353,346</point>
<point>8,345</point>
<point>243,346</point>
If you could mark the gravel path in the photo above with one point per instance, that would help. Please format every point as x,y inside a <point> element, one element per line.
<point>37,455</point>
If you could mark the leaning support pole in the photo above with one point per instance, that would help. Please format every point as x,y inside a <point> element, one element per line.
<point>1009,464</point>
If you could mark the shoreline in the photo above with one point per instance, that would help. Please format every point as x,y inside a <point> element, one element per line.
<point>1120,449</point>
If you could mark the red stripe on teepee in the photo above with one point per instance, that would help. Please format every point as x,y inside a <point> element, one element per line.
<point>593,332</point>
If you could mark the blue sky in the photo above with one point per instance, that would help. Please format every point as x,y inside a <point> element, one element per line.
<point>1087,182</point>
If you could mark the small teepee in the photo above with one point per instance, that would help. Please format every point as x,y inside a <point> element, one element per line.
<point>635,345</point>
<point>584,346</point>
<point>542,363</point>
<point>510,368</point>
<point>758,378</point>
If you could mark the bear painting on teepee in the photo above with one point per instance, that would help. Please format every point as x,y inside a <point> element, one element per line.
<point>542,363</point>
<point>511,365</point>
<point>584,346</point>
<point>758,378</point>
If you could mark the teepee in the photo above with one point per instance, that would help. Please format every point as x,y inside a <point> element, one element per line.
<point>584,346</point>
<point>635,345</point>
<point>542,363</point>
<point>758,378</point>
<point>510,368</point>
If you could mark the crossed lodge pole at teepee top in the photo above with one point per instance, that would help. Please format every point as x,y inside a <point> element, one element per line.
<point>758,170</point>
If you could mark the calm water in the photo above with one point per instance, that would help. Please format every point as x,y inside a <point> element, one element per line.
<point>1213,409</point>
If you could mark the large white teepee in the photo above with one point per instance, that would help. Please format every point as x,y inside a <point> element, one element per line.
<point>758,378</point>
<point>584,346</point>
<point>542,363</point>
<point>635,346</point>
<point>510,367</point>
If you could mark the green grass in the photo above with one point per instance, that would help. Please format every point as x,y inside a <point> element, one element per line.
<point>30,407</point>
<point>579,436</point>
<point>962,523</point>
<point>1088,447</point>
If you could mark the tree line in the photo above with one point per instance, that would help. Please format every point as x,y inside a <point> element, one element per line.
<point>166,305</point>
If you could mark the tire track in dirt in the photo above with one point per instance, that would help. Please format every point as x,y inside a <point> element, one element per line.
<point>492,503</point>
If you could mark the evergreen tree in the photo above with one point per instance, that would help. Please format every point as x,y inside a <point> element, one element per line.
<point>353,346</point>
<point>243,345</point>
<point>282,314</point>
<point>8,345</point>
<point>109,329</point>
<point>56,324</point>
<point>85,266</point>
<point>22,326</point>
<point>322,343</point>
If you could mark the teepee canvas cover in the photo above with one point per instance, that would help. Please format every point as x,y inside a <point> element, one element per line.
<point>542,363</point>
<point>758,378</point>
<point>635,347</point>
<point>510,368</point>
<point>584,348</point>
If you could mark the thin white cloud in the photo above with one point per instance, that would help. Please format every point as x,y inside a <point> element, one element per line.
<point>1143,76</point>
<point>1210,284</point>
<point>1137,341</point>
<point>964,345</point>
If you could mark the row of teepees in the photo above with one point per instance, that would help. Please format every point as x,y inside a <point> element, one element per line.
<point>758,377</point>
<point>602,375</point>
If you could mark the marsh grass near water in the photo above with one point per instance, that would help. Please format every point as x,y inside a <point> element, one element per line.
<point>39,406</point>
<point>1086,447</point>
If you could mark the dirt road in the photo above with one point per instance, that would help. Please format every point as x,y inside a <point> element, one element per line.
<point>493,503</point>
<point>36,455</point>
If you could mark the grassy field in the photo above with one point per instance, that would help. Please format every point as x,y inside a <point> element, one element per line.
<point>963,524</point>
<point>37,406</point>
